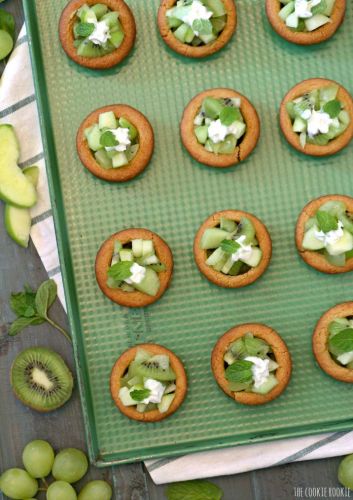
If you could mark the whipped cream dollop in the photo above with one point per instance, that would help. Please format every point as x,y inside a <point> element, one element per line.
<point>302,8</point>
<point>244,252</point>
<point>217,132</point>
<point>260,370</point>
<point>101,33</point>
<point>331,237</point>
<point>157,391</point>
<point>318,121</point>
<point>122,136</point>
<point>196,11</point>
<point>137,274</point>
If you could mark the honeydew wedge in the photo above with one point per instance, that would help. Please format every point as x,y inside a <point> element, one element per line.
<point>343,245</point>
<point>310,242</point>
<point>15,187</point>
<point>150,283</point>
<point>213,237</point>
<point>254,259</point>
<point>165,403</point>
<point>315,22</point>
<point>126,399</point>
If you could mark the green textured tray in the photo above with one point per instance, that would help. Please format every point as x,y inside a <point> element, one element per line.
<point>173,197</point>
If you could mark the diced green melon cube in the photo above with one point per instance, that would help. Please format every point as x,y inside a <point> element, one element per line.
<point>87,131</point>
<point>147,248</point>
<point>124,123</point>
<point>165,403</point>
<point>126,255</point>
<point>336,260</point>
<point>208,38</point>
<point>227,266</point>
<point>99,9</point>
<point>189,36</point>
<point>329,7</point>
<point>212,107</point>
<point>216,6</point>
<point>181,32</point>
<point>86,14</point>
<point>217,257</point>
<point>126,399</point>
<point>137,247</point>
<point>228,225</point>
<point>111,18</point>
<point>343,245</point>
<point>344,117</point>
<point>255,257</point>
<point>94,138</point>
<point>286,10</point>
<point>269,384</point>
<point>227,147</point>
<point>116,38</point>
<point>315,22</point>
<point>132,151</point>
<point>310,242</point>
<point>119,160</point>
<point>174,22</point>
<point>107,120</point>
<point>150,284</point>
<point>103,159</point>
<point>213,237</point>
<point>229,358</point>
<point>201,133</point>
<point>141,407</point>
<point>299,125</point>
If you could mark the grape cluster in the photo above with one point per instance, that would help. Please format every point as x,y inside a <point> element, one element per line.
<point>67,467</point>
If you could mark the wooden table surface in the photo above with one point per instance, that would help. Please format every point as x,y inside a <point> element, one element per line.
<point>64,428</point>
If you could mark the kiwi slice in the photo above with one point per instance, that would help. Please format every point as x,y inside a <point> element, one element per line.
<point>41,379</point>
<point>153,368</point>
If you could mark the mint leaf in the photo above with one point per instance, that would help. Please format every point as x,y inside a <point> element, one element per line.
<point>21,323</point>
<point>202,27</point>
<point>240,371</point>
<point>7,23</point>
<point>343,341</point>
<point>23,303</point>
<point>193,490</point>
<point>140,394</point>
<point>229,115</point>
<point>108,140</point>
<point>84,29</point>
<point>45,296</point>
<point>120,271</point>
<point>332,108</point>
<point>326,221</point>
<point>229,246</point>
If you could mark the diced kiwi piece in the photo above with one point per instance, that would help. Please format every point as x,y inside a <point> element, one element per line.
<point>88,49</point>
<point>212,107</point>
<point>124,123</point>
<point>228,225</point>
<point>208,38</point>
<point>286,10</point>
<point>347,222</point>
<point>162,360</point>
<point>227,146</point>
<point>196,41</point>
<point>111,18</point>
<point>344,117</point>
<point>132,151</point>
<point>107,120</point>
<point>236,268</point>
<point>290,107</point>
<point>125,287</point>
<point>238,128</point>
<point>255,346</point>
<point>126,255</point>
<point>201,133</point>
<point>319,140</point>
<point>152,369</point>
<point>238,347</point>
<point>216,6</point>
<point>217,258</point>
<point>254,259</point>
<point>238,386</point>
<point>219,23</point>
<point>328,93</point>
<point>159,268</point>
<point>141,355</point>
<point>150,283</point>
<point>119,160</point>
<point>116,38</point>
<point>229,358</point>
<point>213,237</point>
<point>310,242</point>
<point>86,14</point>
<point>99,9</point>
<point>93,138</point>
<point>103,159</point>
<point>247,229</point>
<point>170,388</point>
<point>334,207</point>
<point>137,380</point>
<point>174,22</point>
<point>180,32</point>
<point>267,386</point>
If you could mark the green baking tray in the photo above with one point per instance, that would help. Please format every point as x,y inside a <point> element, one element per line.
<point>172,197</point>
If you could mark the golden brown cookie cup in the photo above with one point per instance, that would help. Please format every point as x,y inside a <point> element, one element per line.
<point>320,341</point>
<point>203,50</point>
<point>67,38</point>
<point>335,145</point>
<point>247,142</point>
<point>305,38</point>
<point>121,366</point>
<point>280,352</point>
<point>225,280</point>
<point>103,262</point>
<point>311,257</point>
<point>137,164</point>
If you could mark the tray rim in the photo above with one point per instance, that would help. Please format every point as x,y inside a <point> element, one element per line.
<point>115,458</point>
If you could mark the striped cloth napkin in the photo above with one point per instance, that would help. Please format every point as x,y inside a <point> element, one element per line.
<point>18,107</point>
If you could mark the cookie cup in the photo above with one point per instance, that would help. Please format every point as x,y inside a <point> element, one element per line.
<point>203,50</point>
<point>320,341</point>
<point>137,164</point>
<point>319,35</point>
<point>312,257</point>
<point>224,280</point>
<point>67,38</point>
<point>104,258</point>
<point>247,143</point>
<point>280,352</point>
<point>122,364</point>
<point>335,145</point>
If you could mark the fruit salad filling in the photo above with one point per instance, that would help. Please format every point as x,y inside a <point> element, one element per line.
<point>97,30</point>
<point>197,22</point>
<point>232,248</point>
<point>219,125</point>
<point>340,342</point>
<point>306,15</point>
<point>318,116</point>
<point>149,383</point>
<point>114,141</point>
<point>250,365</point>
<point>135,266</point>
<point>330,232</point>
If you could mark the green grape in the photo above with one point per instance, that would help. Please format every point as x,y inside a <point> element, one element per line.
<point>6,44</point>
<point>345,472</point>
<point>96,490</point>
<point>38,458</point>
<point>60,490</point>
<point>70,465</point>
<point>18,484</point>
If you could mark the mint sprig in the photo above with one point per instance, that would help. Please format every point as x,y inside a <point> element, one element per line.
<point>229,115</point>
<point>342,341</point>
<point>202,26</point>
<point>108,140</point>
<point>194,490</point>
<point>120,271</point>
<point>240,371</point>
<point>84,29</point>
<point>229,246</point>
<point>326,221</point>
<point>32,308</point>
<point>140,394</point>
<point>332,108</point>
